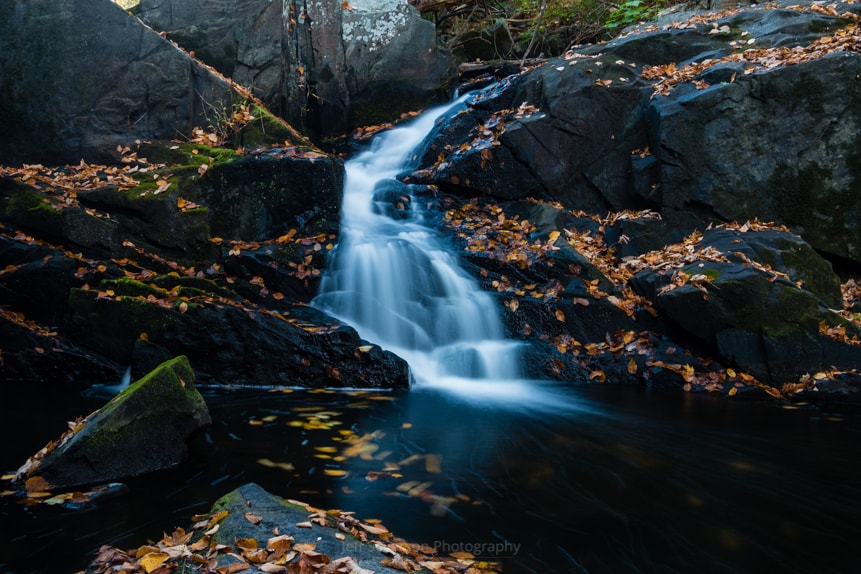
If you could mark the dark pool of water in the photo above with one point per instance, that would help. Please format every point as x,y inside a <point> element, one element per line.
<point>588,479</point>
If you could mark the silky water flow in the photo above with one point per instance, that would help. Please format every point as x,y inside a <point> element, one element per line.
<point>395,281</point>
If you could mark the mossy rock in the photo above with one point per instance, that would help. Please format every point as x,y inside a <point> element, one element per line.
<point>143,429</point>
<point>279,515</point>
<point>26,207</point>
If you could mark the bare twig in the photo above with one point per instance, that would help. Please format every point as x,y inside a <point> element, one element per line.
<point>534,32</point>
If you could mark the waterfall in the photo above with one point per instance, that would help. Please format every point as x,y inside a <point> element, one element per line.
<point>392,278</point>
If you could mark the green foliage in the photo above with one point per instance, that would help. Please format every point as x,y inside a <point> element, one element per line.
<point>631,12</point>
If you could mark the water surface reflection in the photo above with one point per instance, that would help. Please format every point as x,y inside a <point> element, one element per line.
<point>589,479</point>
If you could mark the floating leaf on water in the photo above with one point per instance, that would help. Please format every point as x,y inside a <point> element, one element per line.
<point>433,463</point>
<point>334,472</point>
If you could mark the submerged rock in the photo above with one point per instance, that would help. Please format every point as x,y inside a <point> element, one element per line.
<point>143,429</point>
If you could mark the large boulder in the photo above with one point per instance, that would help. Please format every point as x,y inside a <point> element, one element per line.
<point>79,78</point>
<point>143,429</point>
<point>781,144</point>
<point>325,65</point>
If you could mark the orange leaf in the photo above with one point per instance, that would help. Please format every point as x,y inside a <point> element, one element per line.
<point>560,315</point>
<point>632,367</point>
<point>36,484</point>
<point>599,375</point>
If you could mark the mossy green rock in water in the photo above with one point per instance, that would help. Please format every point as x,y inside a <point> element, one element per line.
<point>143,429</point>
<point>254,513</point>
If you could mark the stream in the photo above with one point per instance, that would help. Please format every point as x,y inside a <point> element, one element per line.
<point>537,476</point>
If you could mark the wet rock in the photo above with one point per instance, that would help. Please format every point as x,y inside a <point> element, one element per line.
<point>143,429</point>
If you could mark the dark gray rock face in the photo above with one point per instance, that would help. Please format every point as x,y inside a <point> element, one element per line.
<point>79,78</point>
<point>779,144</point>
<point>321,65</point>
<point>143,429</point>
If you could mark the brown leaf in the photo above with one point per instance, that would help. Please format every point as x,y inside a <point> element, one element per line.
<point>253,518</point>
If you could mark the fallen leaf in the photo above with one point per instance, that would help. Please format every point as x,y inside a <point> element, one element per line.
<point>253,518</point>
<point>152,561</point>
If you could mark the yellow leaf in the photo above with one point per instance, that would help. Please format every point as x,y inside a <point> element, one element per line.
<point>554,235</point>
<point>733,391</point>
<point>152,561</point>
<point>334,472</point>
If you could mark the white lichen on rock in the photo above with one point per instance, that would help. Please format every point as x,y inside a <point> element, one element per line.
<point>374,22</point>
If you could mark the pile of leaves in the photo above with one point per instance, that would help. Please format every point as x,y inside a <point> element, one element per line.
<point>281,552</point>
<point>845,39</point>
<point>486,230</point>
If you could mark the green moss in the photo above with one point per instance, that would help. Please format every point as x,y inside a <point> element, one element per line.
<point>265,129</point>
<point>125,286</point>
<point>171,383</point>
<point>191,286</point>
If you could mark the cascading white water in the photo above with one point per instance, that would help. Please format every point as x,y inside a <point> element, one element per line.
<point>397,285</point>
